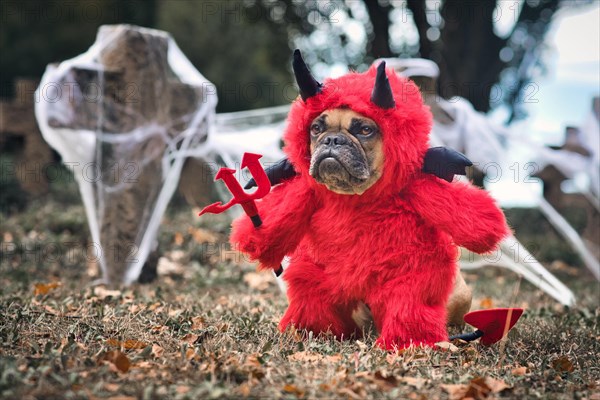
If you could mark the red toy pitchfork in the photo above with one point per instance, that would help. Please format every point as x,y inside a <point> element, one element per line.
<point>249,160</point>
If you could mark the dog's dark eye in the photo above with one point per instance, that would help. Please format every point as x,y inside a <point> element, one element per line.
<point>315,129</point>
<point>366,130</point>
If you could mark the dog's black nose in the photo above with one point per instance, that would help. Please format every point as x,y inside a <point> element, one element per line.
<point>335,140</point>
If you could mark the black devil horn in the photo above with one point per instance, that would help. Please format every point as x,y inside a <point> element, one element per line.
<point>382,92</point>
<point>307,84</point>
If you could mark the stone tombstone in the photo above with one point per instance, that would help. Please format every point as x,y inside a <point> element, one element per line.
<point>122,116</point>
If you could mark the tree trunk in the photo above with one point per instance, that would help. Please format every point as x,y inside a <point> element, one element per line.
<point>470,62</point>
<point>380,21</point>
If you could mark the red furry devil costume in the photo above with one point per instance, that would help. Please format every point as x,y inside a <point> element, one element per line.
<point>394,247</point>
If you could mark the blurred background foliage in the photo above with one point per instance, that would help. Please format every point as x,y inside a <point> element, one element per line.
<point>244,46</point>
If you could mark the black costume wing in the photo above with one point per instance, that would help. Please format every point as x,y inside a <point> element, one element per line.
<point>445,163</point>
<point>439,161</point>
<point>277,173</point>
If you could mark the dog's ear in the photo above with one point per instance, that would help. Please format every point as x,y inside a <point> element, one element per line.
<point>281,171</point>
<point>445,163</point>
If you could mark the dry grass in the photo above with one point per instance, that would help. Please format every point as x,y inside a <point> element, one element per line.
<point>208,329</point>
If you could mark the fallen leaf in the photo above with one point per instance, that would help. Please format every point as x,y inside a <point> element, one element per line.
<point>116,358</point>
<point>41,289</point>
<point>51,310</point>
<point>455,391</point>
<point>166,266</point>
<point>478,388</point>
<point>127,344</point>
<point>157,351</point>
<point>183,389</point>
<point>121,398</point>
<point>190,338</point>
<point>190,353</point>
<point>102,292</point>
<point>245,389</point>
<point>496,385</point>
<point>333,358</point>
<point>202,235</point>
<point>383,379</point>
<point>113,342</point>
<point>305,356</point>
<point>294,390</point>
<point>447,346</point>
<point>519,371</point>
<point>134,344</point>
<point>159,328</point>
<point>145,365</point>
<point>198,322</point>
<point>350,393</point>
<point>486,303</point>
<point>111,387</point>
<point>175,312</point>
<point>563,364</point>
<point>178,239</point>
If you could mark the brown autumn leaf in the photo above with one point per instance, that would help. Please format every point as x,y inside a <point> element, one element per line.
<point>333,358</point>
<point>563,364</point>
<point>178,239</point>
<point>309,357</point>
<point>519,371</point>
<point>159,328</point>
<point>126,344</point>
<point>294,390</point>
<point>447,346</point>
<point>102,292</point>
<point>182,389</point>
<point>305,356</point>
<point>496,385</point>
<point>245,389</point>
<point>478,388</point>
<point>41,289</point>
<point>486,303</point>
<point>113,342</point>
<point>157,351</point>
<point>51,310</point>
<point>190,338</point>
<point>455,391</point>
<point>198,322</point>
<point>202,235</point>
<point>111,387</point>
<point>190,352</point>
<point>481,387</point>
<point>134,344</point>
<point>385,380</point>
<point>117,359</point>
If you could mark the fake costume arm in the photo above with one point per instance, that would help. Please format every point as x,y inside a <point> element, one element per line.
<point>285,213</point>
<point>468,214</point>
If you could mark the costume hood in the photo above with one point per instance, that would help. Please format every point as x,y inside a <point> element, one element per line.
<point>397,108</point>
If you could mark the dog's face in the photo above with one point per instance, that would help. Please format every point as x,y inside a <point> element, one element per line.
<point>346,151</point>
